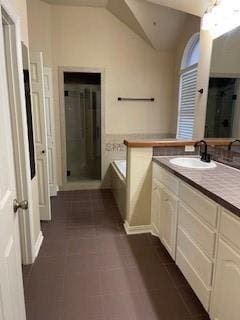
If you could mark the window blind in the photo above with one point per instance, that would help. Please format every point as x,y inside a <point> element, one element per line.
<point>187,100</point>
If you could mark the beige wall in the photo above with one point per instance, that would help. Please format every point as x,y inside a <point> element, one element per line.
<point>87,37</point>
<point>94,38</point>
<point>39,20</point>
<point>20,8</point>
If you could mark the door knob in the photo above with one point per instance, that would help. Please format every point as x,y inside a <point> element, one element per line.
<point>43,151</point>
<point>20,205</point>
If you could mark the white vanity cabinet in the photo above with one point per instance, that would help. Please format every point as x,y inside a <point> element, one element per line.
<point>168,221</point>
<point>155,206</point>
<point>164,208</point>
<point>226,292</point>
<point>203,239</point>
<point>196,240</point>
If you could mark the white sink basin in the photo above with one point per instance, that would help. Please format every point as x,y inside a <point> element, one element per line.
<point>193,163</point>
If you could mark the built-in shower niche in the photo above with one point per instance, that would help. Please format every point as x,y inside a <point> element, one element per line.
<point>82,95</point>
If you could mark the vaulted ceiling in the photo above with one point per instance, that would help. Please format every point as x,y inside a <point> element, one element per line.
<point>158,22</point>
<point>82,3</point>
<point>195,7</point>
<point>162,25</point>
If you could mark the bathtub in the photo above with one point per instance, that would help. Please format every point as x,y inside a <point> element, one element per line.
<point>118,183</point>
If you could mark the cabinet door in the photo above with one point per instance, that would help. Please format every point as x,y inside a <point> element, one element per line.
<point>226,294</point>
<point>156,203</point>
<point>168,221</point>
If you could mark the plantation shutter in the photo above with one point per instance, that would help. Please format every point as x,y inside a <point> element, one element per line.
<point>187,100</point>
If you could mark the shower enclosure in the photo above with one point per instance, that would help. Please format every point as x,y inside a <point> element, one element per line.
<point>82,93</point>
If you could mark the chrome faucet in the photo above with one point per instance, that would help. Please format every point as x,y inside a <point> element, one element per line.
<point>205,156</point>
<point>231,143</point>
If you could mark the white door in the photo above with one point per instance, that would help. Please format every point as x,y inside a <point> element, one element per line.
<point>51,146</point>
<point>226,294</point>
<point>168,221</point>
<point>40,137</point>
<point>11,285</point>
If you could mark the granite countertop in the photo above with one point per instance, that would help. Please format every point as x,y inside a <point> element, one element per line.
<point>221,184</point>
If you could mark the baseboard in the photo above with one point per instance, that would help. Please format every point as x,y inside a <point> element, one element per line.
<point>154,231</point>
<point>137,229</point>
<point>54,190</point>
<point>38,244</point>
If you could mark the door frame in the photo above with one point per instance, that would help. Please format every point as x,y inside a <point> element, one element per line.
<point>88,183</point>
<point>20,140</point>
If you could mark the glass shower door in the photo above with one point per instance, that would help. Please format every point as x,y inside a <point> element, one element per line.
<point>83,133</point>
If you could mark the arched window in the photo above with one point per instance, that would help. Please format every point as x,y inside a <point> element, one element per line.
<point>188,88</point>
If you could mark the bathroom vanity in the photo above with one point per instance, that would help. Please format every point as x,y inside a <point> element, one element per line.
<point>196,215</point>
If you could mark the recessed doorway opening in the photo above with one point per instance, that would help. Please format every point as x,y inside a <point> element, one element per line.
<point>82,108</point>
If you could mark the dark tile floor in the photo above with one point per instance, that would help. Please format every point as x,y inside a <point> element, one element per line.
<point>89,269</point>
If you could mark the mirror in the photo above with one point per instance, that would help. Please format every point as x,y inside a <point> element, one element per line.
<point>223,105</point>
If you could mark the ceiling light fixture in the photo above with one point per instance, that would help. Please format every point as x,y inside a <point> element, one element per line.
<point>222,17</point>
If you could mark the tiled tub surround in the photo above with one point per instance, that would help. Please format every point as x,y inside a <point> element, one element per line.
<point>221,184</point>
<point>113,148</point>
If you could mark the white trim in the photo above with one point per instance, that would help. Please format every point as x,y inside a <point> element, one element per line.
<point>137,229</point>
<point>194,39</point>
<point>38,244</point>
<point>155,231</point>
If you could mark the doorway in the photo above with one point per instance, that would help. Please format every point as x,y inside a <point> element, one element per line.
<point>82,124</point>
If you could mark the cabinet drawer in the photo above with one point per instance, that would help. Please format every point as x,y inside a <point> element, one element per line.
<point>230,227</point>
<point>200,233</point>
<point>206,209</point>
<point>195,282</point>
<point>199,262</point>
<point>169,180</point>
